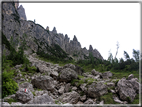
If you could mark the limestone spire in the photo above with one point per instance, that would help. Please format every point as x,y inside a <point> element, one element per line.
<point>74,39</point>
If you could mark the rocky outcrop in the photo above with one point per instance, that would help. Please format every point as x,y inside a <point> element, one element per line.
<point>22,13</point>
<point>14,22</point>
<point>127,89</point>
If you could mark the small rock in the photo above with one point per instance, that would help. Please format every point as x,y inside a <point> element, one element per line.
<point>83,98</point>
<point>74,88</point>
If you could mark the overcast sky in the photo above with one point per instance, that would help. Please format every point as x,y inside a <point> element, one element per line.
<point>98,24</point>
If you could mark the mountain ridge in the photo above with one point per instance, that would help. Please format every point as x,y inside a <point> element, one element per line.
<point>31,29</point>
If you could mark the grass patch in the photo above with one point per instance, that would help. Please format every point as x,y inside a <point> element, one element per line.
<point>136,100</point>
<point>80,76</point>
<point>11,100</point>
<point>108,99</point>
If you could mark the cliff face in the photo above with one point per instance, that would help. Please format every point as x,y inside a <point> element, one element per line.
<point>15,24</point>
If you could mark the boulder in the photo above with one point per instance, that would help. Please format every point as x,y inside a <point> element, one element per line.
<point>83,98</point>
<point>67,87</point>
<point>67,75</point>
<point>44,99</point>
<point>135,84</point>
<point>106,75</point>
<point>130,76</point>
<point>18,66</point>
<point>89,101</point>
<point>43,82</point>
<point>24,95</point>
<point>83,87</point>
<point>97,89</point>
<point>126,89</point>
<point>43,68</point>
<point>26,85</point>
<point>54,74</point>
<point>70,97</point>
<point>71,66</point>
<point>61,90</point>
<point>95,73</point>
<point>116,99</point>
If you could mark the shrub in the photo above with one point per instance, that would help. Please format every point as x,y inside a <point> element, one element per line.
<point>9,86</point>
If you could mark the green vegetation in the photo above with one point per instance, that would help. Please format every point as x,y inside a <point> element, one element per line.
<point>136,100</point>
<point>108,99</point>
<point>9,86</point>
<point>11,100</point>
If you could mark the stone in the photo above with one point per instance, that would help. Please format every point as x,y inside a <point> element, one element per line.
<point>26,85</point>
<point>24,96</point>
<point>97,89</point>
<point>110,84</point>
<point>106,75</point>
<point>80,102</point>
<point>44,99</point>
<point>70,97</point>
<point>67,87</point>
<point>116,99</point>
<point>54,74</point>
<point>43,82</point>
<point>61,90</point>
<point>74,88</point>
<point>83,87</point>
<point>102,102</point>
<point>89,101</point>
<point>126,90</point>
<point>83,98</point>
<point>71,66</point>
<point>18,66</point>
<point>67,75</point>
<point>130,76</point>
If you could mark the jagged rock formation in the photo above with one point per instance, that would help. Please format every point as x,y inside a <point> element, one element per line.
<point>21,12</point>
<point>15,25</point>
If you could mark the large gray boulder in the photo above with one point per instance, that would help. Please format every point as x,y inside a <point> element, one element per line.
<point>26,85</point>
<point>71,97</point>
<point>43,82</point>
<point>44,99</point>
<point>24,95</point>
<point>127,89</point>
<point>106,75</point>
<point>97,89</point>
<point>67,75</point>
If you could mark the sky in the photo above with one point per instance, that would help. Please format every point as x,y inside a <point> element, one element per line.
<point>101,25</point>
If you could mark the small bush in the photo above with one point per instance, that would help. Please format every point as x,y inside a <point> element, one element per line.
<point>9,86</point>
